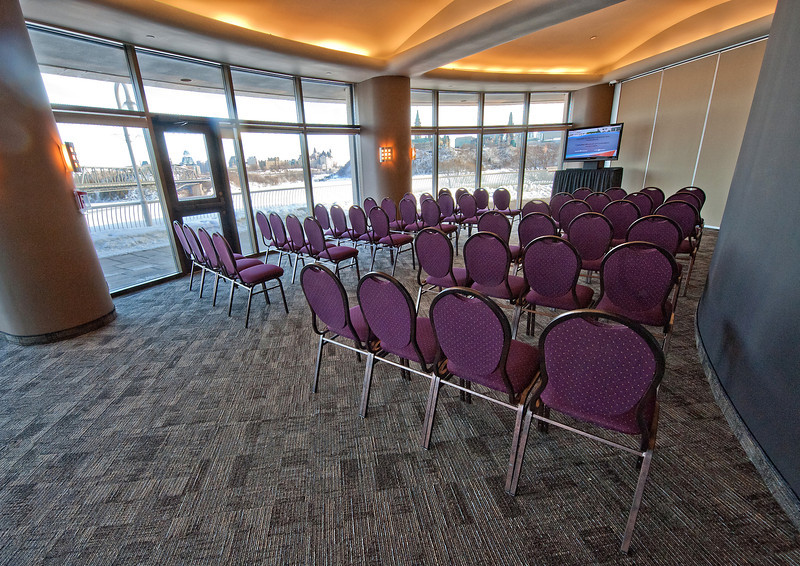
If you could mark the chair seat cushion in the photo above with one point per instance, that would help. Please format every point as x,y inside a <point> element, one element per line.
<point>368,237</point>
<point>565,301</point>
<point>687,246</point>
<point>396,225</point>
<point>510,211</point>
<point>453,218</point>
<point>470,220</point>
<point>359,324</point>
<point>522,365</point>
<point>447,228</point>
<point>339,253</point>
<point>625,423</point>
<point>246,262</point>
<point>460,275</point>
<point>650,317</point>
<point>515,283</point>
<point>414,226</point>
<point>260,273</point>
<point>396,240</point>
<point>591,264</point>
<point>515,251</point>
<point>426,340</point>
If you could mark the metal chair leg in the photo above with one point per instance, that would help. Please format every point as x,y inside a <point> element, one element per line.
<point>230,301</point>
<point>249,300</point>
<point>637,501</point>
<point>518,443</point>
<point>319,361</point>
<point>430,411</point>
<point>362,411</point>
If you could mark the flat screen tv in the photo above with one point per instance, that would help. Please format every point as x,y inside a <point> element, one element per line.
<point>593,144</point>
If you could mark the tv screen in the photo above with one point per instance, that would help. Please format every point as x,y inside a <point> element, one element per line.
<point>593,144</point>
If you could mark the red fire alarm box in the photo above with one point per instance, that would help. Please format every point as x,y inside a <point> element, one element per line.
<point>82,201</point>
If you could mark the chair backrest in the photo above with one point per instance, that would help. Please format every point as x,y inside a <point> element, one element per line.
<point>536,205</point>
<point>581,193</point>
<point>551,266</point>
<point>621,213</point>
<point>390,314</point>
<point>467,205</point>
<point>534,225</point>
<point>412,197</point>
<point>264,228</point>
<point>278,230</point>
<point>557,201</point>
<point>461,191</point>
<point>358,220</point>
<point>598,365</point>
<point>474,335</point>
<point>683,213</point>
<point>423,197</point>
<point>446,203</point>
<point>321,214</point>
<point>444,191</point>
<point>691,198</point>
<point>209,250</point>
<point>637,277</point>
<point>697,191</point>
<point>643,201</point>
<point>369,204</point>
<point>616,193</point>
<point>487,259</point>
<point>495,222</point>
<point>435,254</point>
<point>658,230</point>
<point>481,198</point>
<point>597,201</point>
<point>181,235</point>
<point>297,238</point>
<point>315,235</point>
<point>390,208</point>
<point>430,212</point>
<point>339,221</point>
<point>327,300</point>
<point>570,210</point>
<point>194,244</point>
<point>591,234</point>
<point>655,194</point>
<point>408,210</point>
<point>379,222</point>
<point>501,199</point>
<point>225,255</point>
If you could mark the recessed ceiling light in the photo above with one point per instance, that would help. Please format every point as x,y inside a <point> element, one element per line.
<point>328,73</point>
<point>186,80</point>
<point>150,36</point>
<point>593,37</point>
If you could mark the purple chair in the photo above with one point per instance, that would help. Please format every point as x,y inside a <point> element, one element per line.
<point>535,205</point>
<point>321,214</point>
<point>460,191</point>
<point>332,316</point>
<point>279,238</point>
<point>469,211</point>
<point>408,215</point>
<point>696,191</point>
<point>570,210</point>
<point>655,194</point>
<point>581,193</point>
<point>435,254</point>
<point>496,222</point>
<point>557,201</point>
<point>390,208</point>
<point>597,201</point>
<point>501,199</point>
<point>214,262</point>
<point>477,348</point>
<point>686,196</point>
<point>249,278</point>
<point>551,266</point>
<point>319,250</point>
<point>359,230</point>
<point>603,370</point>
<point>688,218</point>
<point>591,234</point>
<point>188,253</point>
<point>658,230</point>
<point>339,223</point>
<point>481,200</point>
<point>198,256</point>
<point>448,208</point>
<point>385,239</point>
<point>369,204</point>
<point>616,193</point>
<point>636,280</point>
<point>431,218</point>
<point>642,201</point>
<point>621,214</point>
<point>297,242</point>
<point>425,196</point>
<point>534,225</point>
<point>266,236</point>
<point>392,318</point>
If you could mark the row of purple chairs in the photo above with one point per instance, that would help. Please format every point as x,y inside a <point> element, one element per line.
<point>582,367</point>
<point>213,254</point>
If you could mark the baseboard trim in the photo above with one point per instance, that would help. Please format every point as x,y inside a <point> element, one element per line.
<point>61,334</point>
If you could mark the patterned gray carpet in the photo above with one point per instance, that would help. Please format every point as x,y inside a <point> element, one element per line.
<point>176,436</point>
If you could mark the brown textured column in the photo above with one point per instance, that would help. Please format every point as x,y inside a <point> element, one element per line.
<point>51,284</point>
<point>384,111</point>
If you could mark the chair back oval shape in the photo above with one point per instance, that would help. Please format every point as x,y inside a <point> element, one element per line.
<point>209,250</point>
<point>379,222</point>
<point>655,194</point>
<point>388,310</point>
<point>697,191</point>
<point>691,198</point>
<point>225,255</point>
<point>408,211</point>
<point>616,193</point>
<point>461,191</point>
<point>557,201</point>
<point>264,228</point>
<point>326,298</point>
<point>501,199</point>
<point>194,244</point>
<point>621,213</point>
<point>597,201</point>
<point>390,208</point>
<point>434,253</point>
<point>496,223</point>
<point>297,238</point>
<point>321,214</point>
<point>411,196</point>
<point>278,230</point>
<point>591,234</point>
<point>584,348</point>
<point>683,213</point>
<point>474,336</point>
<point>637,277</point>
<point>551,266</point>
<point>641,200</point>
<point>658,230</point>
<point>581,193</point>
<point>467,205</point>
<point>536,205</point>
<point>423,197</point>
<point>534,225</point>
<point>481,198</point>
<point>487,259</point>
<point>570,210</point>
<point>315,235</point>
<point>369,204</point>
<point>181,235</point>
<point>339,221</point>
<point>358,220</point>
<point>430,212</point>
<point>447,205</point>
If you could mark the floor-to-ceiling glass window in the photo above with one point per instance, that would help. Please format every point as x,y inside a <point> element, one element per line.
<point>457,161</point>
<point>422,142</point>
<point>274,165</point>
<point>331,165</point>
<point>542,159</point>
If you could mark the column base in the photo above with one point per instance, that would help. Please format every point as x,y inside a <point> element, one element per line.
<point>61,334</point>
